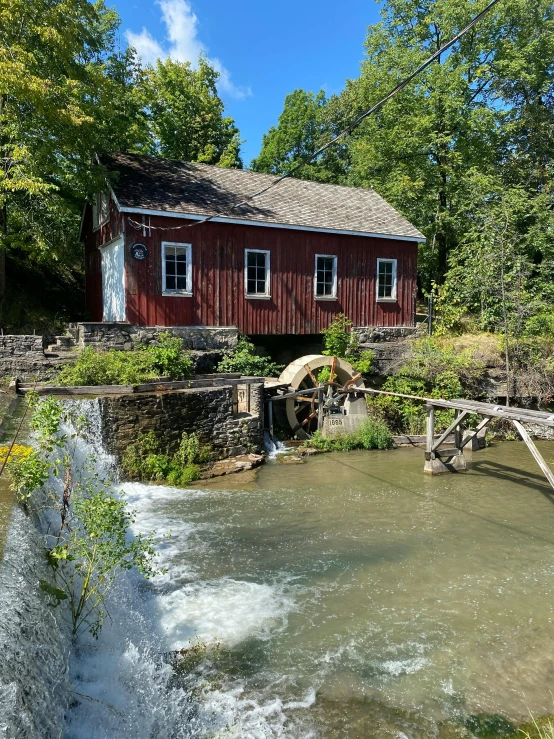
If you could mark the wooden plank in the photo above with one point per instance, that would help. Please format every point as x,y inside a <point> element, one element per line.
<point>535,452</point>
<point>476,430</point>
<point>449,430</point>
<point>496,411</point>
<point>93,390</point>
<point>452,451</point>
<point>430,429</point>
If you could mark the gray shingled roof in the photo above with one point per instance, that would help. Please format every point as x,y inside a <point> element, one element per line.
<point>203,189</point>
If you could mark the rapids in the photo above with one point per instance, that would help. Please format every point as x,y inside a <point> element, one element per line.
<point>348,596</point>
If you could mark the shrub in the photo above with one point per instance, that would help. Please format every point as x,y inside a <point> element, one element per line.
<point>115,367</point>
<point>363,361</point>
<point>372,434</point>
<point>434,371</point>
<point>89,545</point>
<point>168,357</point>
<point>244,359</point>
<point>337,339</point>
<point>145,460</point>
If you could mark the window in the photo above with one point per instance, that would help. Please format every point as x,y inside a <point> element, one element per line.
<point>176,269</point>
<point>256,275</point>
<point>100,209</point>
<point>325,279</point>
<point>386,279</point>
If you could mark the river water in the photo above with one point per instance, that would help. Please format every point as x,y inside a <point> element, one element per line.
<point>350,596</point>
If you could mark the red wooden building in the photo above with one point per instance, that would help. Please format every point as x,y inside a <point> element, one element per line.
<point>285,263</point>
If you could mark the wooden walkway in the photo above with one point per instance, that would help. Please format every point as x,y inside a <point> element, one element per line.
<point>438,457</point>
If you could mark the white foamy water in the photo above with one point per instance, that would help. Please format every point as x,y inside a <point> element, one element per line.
<point>273,446</point>
<point>130,690</point>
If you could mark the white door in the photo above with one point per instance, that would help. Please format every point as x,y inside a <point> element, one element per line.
<point>113,287</point>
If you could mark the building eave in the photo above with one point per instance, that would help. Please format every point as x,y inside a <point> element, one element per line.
<point>247,222</point>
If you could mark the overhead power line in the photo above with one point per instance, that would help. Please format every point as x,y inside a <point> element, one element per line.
<point>345,132</point>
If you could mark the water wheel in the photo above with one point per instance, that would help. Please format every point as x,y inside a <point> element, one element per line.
<point>302,413</point>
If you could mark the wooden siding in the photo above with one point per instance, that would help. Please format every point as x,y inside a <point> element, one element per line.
<point>93,261</point>
<point>218,297</point>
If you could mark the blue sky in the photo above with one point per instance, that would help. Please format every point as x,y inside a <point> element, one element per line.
<point>263,50</point>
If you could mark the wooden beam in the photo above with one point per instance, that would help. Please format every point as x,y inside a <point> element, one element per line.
<point>352,380</point>
<point>312,376</point>
<point>430,429</point>
<point>535,452</point>
<point>455,424</point>
<point>476,430</point>
<point>333,365</point>
<point>320,401</point>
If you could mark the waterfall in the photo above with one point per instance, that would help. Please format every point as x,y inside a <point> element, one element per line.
<point>120,686</point>
<point>273,446</point>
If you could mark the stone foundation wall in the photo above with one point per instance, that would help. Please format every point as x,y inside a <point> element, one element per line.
<point>378,334</point>
<point>123,336</point>
<point>209,412</point>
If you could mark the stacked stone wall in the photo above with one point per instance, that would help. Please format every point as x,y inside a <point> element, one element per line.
<point>379,334</point>
<point>123,336</point>
<point>208,412</point>
<point>23,356</point>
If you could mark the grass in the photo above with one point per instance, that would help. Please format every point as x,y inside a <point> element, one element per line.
<point>372,434</point>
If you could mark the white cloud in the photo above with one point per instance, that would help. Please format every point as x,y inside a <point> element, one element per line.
<point>182,43</point>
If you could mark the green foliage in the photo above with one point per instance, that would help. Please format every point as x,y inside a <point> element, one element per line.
<point>338,338</point>
<point>340,341</point>
<point>372,434</point>
<point>145,460</point>
<point>114,367</point>
<point>187,115</point>
<point>302,128</point>
<point>538,728</point>
<point>363,361</point>
<point>244,359</point>
<point>435,370</point>
<point>92,546</point>
<point>168,357</point>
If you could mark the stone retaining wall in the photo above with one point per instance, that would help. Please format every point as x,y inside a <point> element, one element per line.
<point>22,356</point>
<point>209,412</point>
<point>378,334</point>
<point>123,336</point>
<point>20,346</point>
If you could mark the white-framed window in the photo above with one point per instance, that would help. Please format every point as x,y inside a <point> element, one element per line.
<point>100,209</point>
<point>325,276</point>
<point>176,268</point>
<point>256,273</point>
<point>386,279</point>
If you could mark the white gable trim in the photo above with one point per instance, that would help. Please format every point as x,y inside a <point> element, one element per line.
<point>244,222</point>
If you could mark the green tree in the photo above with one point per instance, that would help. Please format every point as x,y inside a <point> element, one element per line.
<point>187,119</point>
<point>302,128</point>
<point>51,69</point>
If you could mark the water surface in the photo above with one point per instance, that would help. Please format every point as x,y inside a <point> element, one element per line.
<point>360,597</point>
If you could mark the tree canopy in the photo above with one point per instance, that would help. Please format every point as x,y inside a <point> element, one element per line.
<point>66,93</point>
<point>483,112</point>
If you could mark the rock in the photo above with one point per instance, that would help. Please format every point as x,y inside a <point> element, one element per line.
<point>232,465</point>
<point>290,459</point>
<point>309,452</point>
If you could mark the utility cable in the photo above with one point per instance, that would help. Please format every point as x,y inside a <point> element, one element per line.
<point>345,132</point>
